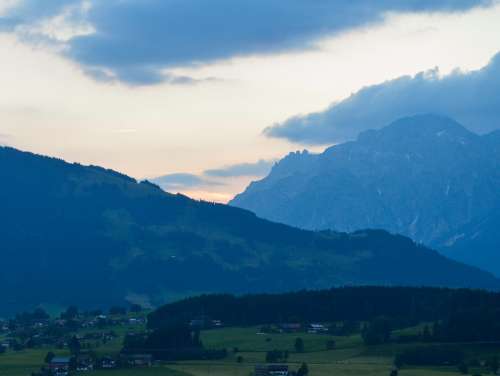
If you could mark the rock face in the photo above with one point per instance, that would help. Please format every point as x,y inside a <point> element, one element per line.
<point>72,234</point>
<point>424,176</point>
<point>477,243</point>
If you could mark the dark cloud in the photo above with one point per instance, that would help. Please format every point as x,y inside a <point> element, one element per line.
<point>212,177</point>
<point>137,39</point>
<point>472,98</point>
<point>142,77</point>
<point>260,168</point>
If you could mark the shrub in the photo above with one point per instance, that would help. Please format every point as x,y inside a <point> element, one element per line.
<point>430,355</point>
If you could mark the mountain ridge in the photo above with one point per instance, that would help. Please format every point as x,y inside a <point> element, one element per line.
<point>423,176</point>
<point>85,235</point>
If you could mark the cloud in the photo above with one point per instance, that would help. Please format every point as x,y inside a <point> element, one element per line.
<point>137,40</point>
<point>211,180</point>
<point>470,98</point>
<point>260,168</point>
<point>182,181</point>
<point>142,76</point>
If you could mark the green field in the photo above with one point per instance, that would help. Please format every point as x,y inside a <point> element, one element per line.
<point>350,357</point>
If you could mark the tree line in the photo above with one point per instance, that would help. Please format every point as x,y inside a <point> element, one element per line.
<point>404,306</point>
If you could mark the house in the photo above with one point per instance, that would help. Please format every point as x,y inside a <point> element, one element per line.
<point>290,327</point>
<point>84,362</point>
<point>205,323</point>
<point>217,324</point>
<point>140,360</point>
<point>108,363</point>
<point>197,323</point>
<point>271,370</point>
<point>59,364</point>
<point>317,328</point>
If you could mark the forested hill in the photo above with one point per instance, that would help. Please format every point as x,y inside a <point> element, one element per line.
<point>408,304</point>
<point>88,236</point>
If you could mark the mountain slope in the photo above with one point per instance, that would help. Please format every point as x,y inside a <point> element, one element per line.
<point>477,243</point>
<point>423,176</point>
<point>89,236</point>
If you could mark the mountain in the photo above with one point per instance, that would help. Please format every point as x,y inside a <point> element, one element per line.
<point>84,235</point>
<point>424,176</point>
<point>476,243</point>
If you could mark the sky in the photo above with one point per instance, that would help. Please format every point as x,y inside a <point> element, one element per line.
<point>204,96</point>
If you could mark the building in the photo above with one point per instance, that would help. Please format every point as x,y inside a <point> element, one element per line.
<point>59,364</point>
<point>140,360</point>
<point>290,327</point>
<point>84,362</point>
<point>205,323</point>
<point>317,328</point>
<point>108,363</point>
<point>271,370</point>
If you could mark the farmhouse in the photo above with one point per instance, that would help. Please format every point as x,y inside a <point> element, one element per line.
<point>59,364</point>
<point>108,363</point>
<point>271,370</point>
<point>84,362</point>
<point>140,360</point>
<point>317,328</point>
<point>290,327</point>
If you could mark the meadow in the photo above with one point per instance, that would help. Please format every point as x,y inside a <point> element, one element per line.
<point>247,347</point>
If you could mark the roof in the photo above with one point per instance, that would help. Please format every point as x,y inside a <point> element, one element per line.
<point>60,359</point>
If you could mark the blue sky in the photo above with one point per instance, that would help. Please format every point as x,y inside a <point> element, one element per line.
<point>207,94</point>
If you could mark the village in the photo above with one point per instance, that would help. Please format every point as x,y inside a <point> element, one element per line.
<point>82,342</point>
<point>76,341</point>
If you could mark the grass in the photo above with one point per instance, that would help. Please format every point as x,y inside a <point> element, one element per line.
<point>156,371</point>
<point>22,363</point>
<point>349,358</point>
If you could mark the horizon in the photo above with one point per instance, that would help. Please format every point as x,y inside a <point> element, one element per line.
<point>217,115</point>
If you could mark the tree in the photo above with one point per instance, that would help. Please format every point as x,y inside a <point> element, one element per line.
<point>135,308</point>
<point>40,314</point>
<point>398,362</point>
<point>196,338</point>
<point>303,370</point>
<point>493,365</point>
<point>377,332</point>
<point>299,345</point>
<point>48,358</point>
<point>430,356</point>
<point>172,342</point>
<point>73,363</point>
<point>274,356</point>
<point>426,334</point>
<point>330,344</point>
<point>463,369</point>
<point>74,345</point>
<point>117,311</point>
<point>70,313</point>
